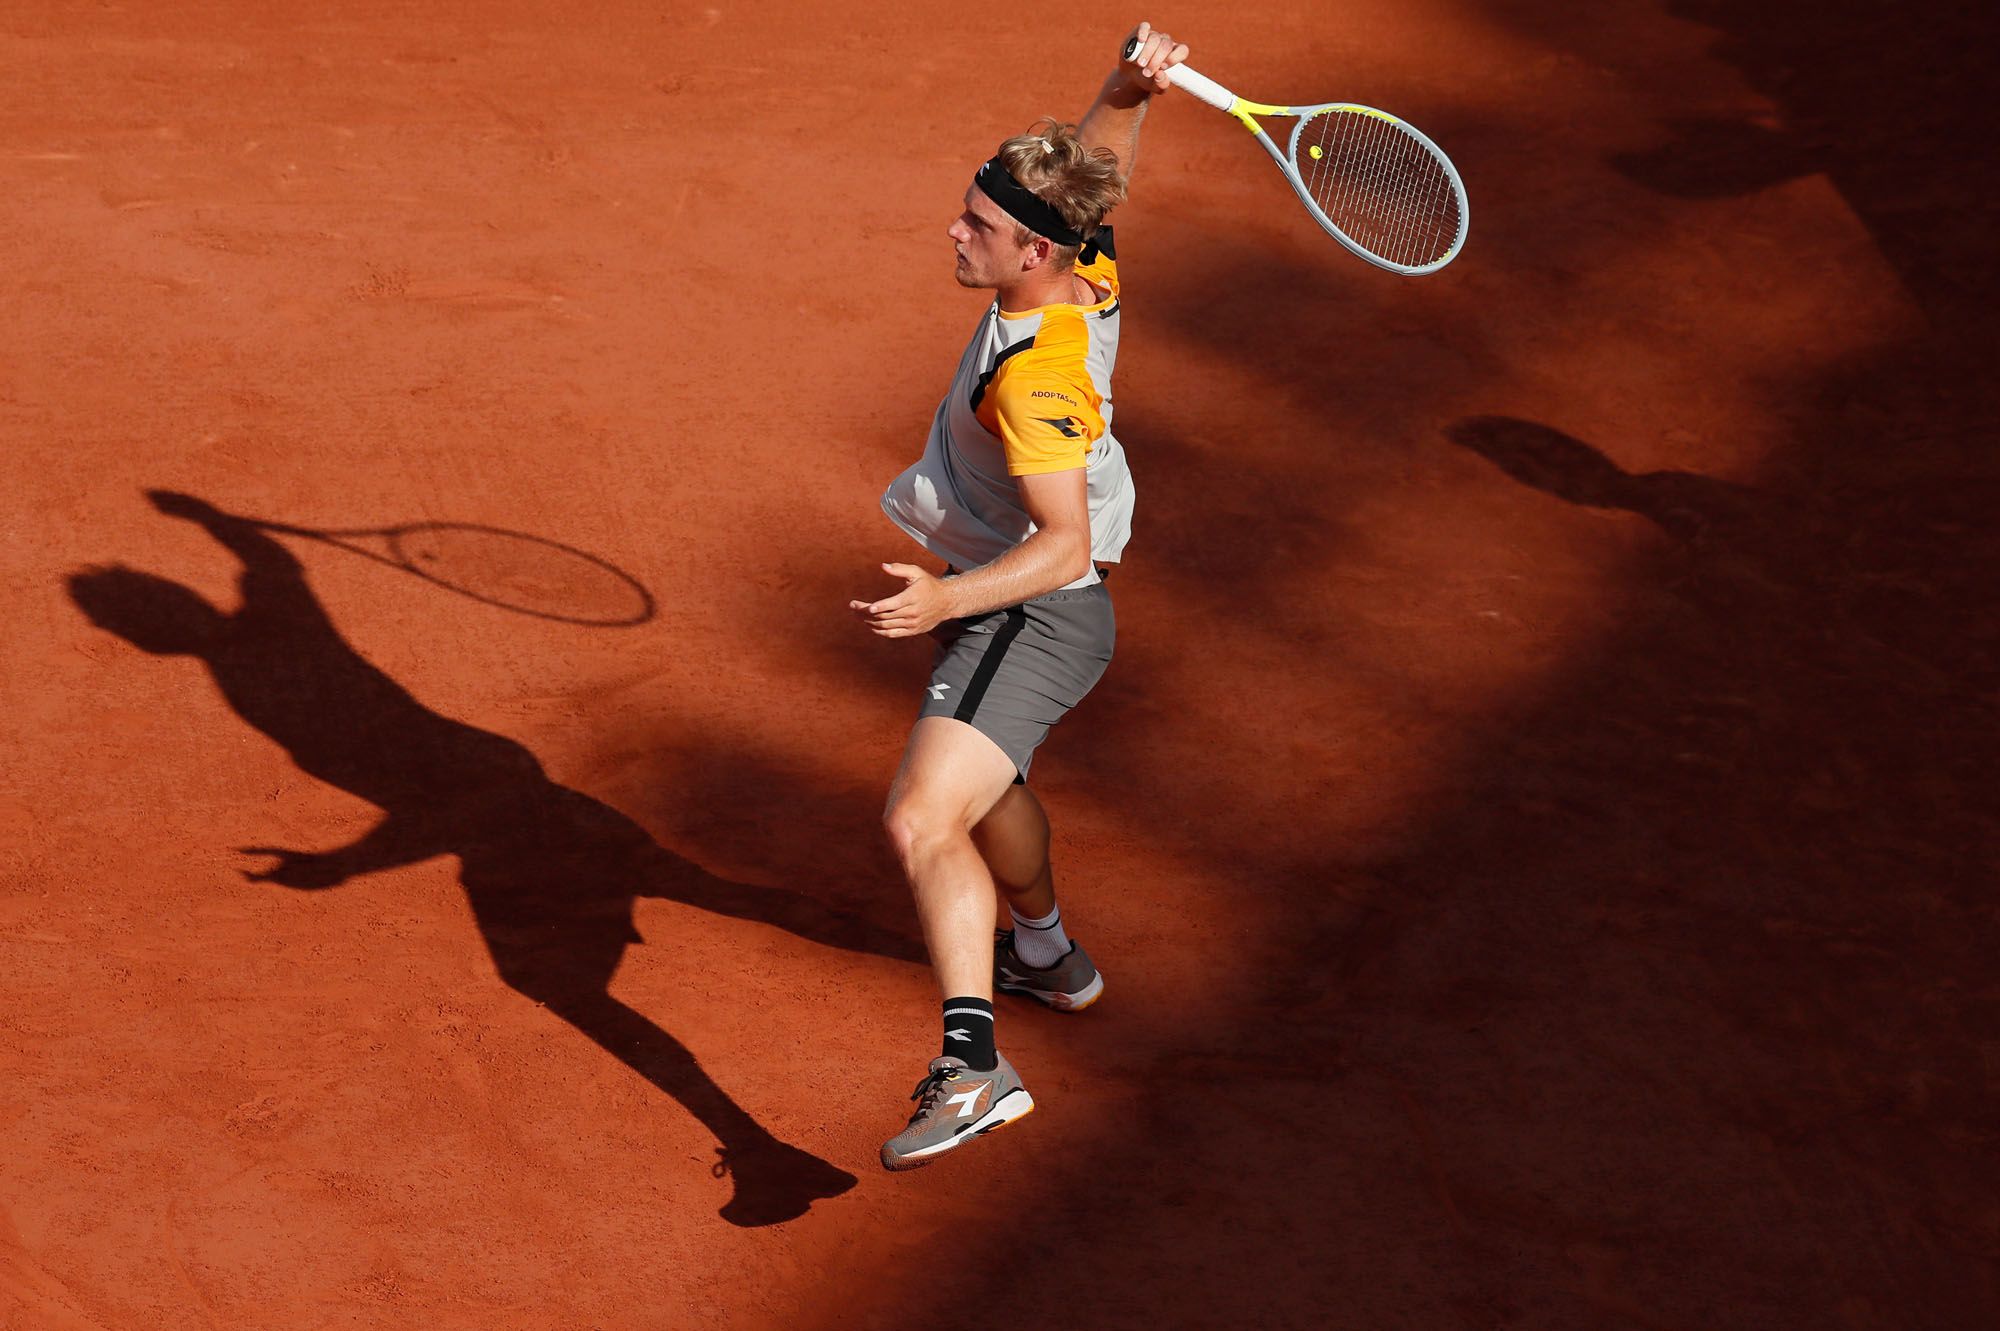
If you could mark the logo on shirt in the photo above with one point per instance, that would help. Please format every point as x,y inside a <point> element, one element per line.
<point>1070,426</point>
<point>1060,397</point>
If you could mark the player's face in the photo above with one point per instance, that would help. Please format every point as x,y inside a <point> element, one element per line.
<point>983,235</point>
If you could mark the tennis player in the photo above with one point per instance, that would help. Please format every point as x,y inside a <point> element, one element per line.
<point>1023,493</point>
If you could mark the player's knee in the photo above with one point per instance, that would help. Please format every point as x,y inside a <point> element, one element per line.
<point>916,825</point>
<point>904,823</point>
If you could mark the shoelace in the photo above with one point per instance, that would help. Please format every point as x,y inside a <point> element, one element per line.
<point>929,1089</point>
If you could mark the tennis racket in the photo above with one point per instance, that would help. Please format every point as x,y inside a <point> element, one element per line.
<point>1376,184</point>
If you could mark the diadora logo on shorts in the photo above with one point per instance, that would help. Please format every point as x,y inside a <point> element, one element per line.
<point>1071,427</point>
<point>936,691</point>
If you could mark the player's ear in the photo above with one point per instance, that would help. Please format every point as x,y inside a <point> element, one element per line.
<point>1038,252</point>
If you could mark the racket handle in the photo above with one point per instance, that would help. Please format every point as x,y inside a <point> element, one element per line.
<point>1188,81</point>
<point>1201,86</point>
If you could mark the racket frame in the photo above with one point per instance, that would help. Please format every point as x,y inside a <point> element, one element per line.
<point>1214,94</point>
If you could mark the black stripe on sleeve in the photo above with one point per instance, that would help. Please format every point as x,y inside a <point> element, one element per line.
<point>979,389</point>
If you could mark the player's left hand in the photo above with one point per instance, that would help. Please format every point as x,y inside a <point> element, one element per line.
<point>923,604</point>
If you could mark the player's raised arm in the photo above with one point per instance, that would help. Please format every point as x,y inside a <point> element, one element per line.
<point>1113,119</point>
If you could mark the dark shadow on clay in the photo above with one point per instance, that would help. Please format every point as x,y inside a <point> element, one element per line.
<point>551,874</point>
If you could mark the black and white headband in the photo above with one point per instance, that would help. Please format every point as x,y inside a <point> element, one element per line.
<point>1023,204</point>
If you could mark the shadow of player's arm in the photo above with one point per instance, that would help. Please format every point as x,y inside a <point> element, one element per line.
<point>273,580</point>
<point>259,552</point>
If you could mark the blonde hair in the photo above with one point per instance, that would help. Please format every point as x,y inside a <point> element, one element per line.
<point>1081,183</point>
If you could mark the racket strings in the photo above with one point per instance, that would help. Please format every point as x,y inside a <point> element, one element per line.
<point>1384,188</point>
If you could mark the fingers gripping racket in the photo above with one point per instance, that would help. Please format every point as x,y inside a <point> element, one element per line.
<point>1377,185</point>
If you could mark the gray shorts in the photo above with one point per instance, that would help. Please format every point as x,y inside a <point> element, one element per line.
<point>1013,673</point>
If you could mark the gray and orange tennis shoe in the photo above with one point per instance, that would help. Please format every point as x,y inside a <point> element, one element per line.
<point>954,1105</point>
<point>1071,985</point>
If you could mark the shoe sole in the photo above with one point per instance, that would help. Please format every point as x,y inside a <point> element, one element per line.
<point>1016,1104</point>
<point>1061,1002</point>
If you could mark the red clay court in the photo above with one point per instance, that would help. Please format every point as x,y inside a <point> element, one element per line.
<point>1539,829</point>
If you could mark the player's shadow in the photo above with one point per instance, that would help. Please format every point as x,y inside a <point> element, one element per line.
<point>1761,565</point>
<point>551,874</point>
<point>1913,177</point>
<point>1686,505</point>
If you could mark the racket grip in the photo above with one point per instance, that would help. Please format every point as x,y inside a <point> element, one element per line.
<point>1201,86</point>
<point>1195,85</point>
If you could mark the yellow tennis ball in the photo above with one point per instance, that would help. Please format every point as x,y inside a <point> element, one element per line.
<point>1314,152</point>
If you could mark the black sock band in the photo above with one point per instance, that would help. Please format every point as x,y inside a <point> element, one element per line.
<point>968,1032</point>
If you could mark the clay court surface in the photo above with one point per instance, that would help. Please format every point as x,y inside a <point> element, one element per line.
<point>1539,829</point>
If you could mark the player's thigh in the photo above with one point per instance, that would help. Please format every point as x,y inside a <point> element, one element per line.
<point>950,772</point>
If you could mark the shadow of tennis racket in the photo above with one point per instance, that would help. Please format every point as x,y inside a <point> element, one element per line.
<point>530,575</point>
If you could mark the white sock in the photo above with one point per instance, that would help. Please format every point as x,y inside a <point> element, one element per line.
<point>1039,943</point>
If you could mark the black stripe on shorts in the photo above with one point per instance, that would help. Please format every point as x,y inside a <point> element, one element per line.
<point>989,664</point>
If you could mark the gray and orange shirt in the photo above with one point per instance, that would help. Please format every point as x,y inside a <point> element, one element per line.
<point>1032,394</point>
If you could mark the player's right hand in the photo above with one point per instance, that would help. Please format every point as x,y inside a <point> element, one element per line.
<point>1153,53</point>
